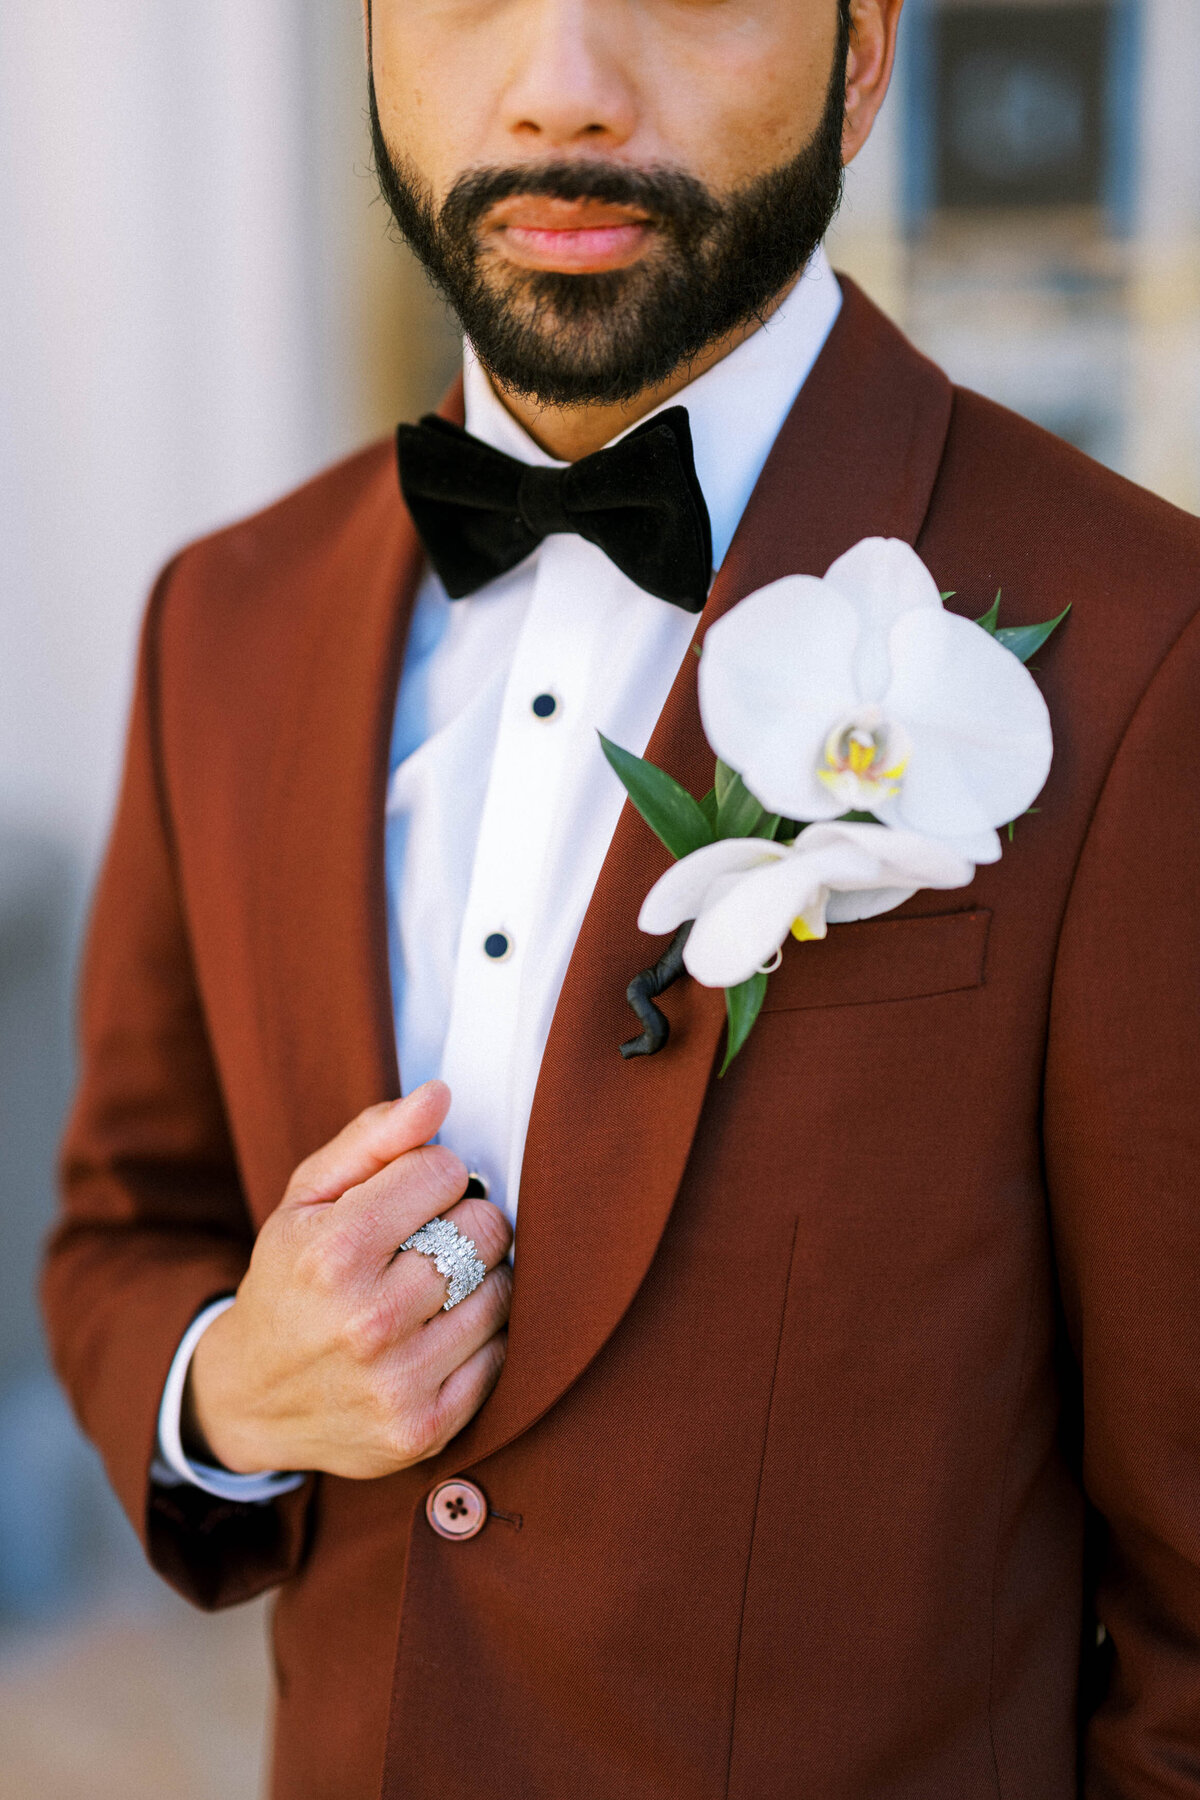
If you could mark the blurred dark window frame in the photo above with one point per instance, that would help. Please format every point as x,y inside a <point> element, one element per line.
<point>1060,77</point>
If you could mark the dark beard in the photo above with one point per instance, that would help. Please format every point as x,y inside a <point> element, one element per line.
<point>569,340</point>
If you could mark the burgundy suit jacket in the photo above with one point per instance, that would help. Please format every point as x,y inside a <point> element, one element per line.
<point>848,1443</point>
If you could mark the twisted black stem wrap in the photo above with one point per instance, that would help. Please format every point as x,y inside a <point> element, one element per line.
<point>645,988</point>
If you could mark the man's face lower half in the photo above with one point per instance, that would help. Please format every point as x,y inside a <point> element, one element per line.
<point>604,189</point>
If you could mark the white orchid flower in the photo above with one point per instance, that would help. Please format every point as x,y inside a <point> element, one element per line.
<point>746,894</point>
<point>860,692</point>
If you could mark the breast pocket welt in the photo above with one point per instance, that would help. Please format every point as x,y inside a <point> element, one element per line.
<point>884,959</point>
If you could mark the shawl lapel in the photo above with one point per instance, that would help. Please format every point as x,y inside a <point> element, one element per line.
<point>608,1140</point>
<point>321,950</point>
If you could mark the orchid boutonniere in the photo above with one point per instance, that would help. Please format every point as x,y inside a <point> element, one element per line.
<point>868,743</point>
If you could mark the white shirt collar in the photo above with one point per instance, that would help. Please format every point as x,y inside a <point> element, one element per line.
<point>736,408</point>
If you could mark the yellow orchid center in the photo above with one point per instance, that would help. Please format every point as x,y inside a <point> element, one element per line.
<point>862,751</point>
<point>864,760</point>
<point>803,932</point>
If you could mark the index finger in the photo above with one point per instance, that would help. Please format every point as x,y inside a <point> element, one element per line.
<point>368,1144</point>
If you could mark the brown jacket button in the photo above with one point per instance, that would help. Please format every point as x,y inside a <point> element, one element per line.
<point>457,1509</point>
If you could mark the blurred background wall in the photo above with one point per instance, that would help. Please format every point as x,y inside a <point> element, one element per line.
<point>1030,212</point>
<point>200,304</point>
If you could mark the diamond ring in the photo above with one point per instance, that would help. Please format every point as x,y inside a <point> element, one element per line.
<point>453,1255</point>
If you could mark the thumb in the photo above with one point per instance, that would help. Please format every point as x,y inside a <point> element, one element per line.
<point>369,1143</point>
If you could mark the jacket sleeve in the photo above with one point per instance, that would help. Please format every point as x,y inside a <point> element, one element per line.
<point>1122,1136</point>
<point>153,1221</point>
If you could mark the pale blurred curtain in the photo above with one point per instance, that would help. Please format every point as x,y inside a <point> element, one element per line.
<point>157,339</point>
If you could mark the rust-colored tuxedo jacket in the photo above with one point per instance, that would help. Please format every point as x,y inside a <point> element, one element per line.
<point>848,1446</point>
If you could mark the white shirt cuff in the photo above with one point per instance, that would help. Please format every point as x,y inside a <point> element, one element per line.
<point>171,1467</point>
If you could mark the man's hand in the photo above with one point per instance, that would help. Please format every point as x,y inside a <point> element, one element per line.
<point>336,1354</point>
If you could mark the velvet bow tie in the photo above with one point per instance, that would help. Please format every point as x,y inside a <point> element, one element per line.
<point>480,512</point>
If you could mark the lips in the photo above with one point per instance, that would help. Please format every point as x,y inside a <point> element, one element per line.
<point>570,236</point>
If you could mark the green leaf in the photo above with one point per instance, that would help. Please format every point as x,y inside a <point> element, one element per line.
<point>949,593</point>
<point>742,1007</point>
<point>708,806</point>
<point>739,814</point>
<point>988,621</point>
<point>669,810</point>
<point>1025,640</point>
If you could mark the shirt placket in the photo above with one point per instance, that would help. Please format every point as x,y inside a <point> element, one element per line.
<point>543,714</point>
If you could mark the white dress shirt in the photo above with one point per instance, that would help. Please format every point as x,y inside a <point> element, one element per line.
<point>500,803</point>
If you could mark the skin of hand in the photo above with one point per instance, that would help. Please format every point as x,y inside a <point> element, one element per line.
<point>723,90</point>
<point>336,1354</point>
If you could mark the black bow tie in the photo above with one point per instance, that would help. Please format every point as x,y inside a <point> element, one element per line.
<point>480,512</point>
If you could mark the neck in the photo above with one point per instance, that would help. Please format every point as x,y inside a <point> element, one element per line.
<point>569,432</point>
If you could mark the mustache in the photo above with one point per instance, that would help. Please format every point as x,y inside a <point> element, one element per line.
<point>671,199</point>
<point>579,339</point>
